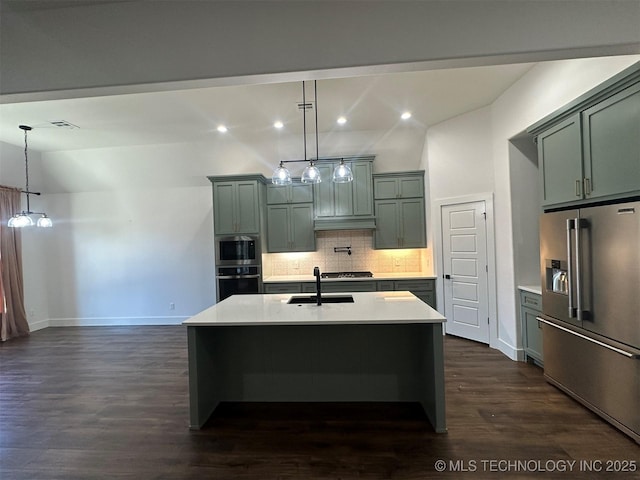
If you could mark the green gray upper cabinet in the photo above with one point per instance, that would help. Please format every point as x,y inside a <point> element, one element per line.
<point>400,210</point>
<point>398,186</point>
<point>236,204</point>
<point>290,218</point>
<point>344,205</point>
<point>612,144</point>
<point>560,162</point>
<point>294,193</point>
<point>590,148</point>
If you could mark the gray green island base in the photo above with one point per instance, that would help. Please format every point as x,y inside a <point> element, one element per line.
<point>386,346</point>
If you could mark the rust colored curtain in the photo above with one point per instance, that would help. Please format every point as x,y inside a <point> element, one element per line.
<point>13,317</point>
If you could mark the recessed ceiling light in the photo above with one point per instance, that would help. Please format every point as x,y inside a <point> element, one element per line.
<point>222,129</point>
<point>405,116</point>
<point>278,124</point>
<point>342,120</point>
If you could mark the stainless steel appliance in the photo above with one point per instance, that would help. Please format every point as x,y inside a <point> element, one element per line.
<point>590,274</point>
<point>238,250</point>
<point>238,265</point>
<point>238,280</point>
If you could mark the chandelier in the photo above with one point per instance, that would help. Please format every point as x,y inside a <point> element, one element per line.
<point>25,218</point>
<point>281,175</point>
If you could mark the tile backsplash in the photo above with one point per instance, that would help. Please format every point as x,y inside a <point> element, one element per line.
<point>363,257</point>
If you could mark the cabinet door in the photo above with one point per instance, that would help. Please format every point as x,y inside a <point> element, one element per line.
<point>362,188</point>
<point>412,222</point>
<point>302,235</point>
<point>385,188</point>
<point>323,192</point>
<point>277,194</point>
<point>411,187</point>
<point>247,212</point>
<point>532,331</point>
<point>612,144</point>
<point>386,233</point>
<point>560,162</point>
<point>343,195</point>
<point>301,193</point>
<point>278,228</point>
<point>224,194</point>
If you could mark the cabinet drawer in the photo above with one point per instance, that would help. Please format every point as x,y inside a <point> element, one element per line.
<point>308,287</point>
<point>414,285</point>
<point>348,286</point>
<point>531,300</point>
<point>386,286</point>
<point>293,287</point>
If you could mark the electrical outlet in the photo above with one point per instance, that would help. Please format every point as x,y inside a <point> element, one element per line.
<point>172,306</point>
<point>396,262</point>
<point>296,264</point>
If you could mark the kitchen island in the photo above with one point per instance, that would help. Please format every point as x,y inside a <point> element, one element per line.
<point>385,346</point>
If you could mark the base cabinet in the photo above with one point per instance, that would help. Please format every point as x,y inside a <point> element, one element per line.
<point>530,309</point>
<point>423,288</point>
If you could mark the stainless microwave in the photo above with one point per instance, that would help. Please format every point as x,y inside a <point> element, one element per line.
<point>238,250</point>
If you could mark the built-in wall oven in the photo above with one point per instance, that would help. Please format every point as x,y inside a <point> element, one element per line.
<point>238,265</point>
<point>238,280</point>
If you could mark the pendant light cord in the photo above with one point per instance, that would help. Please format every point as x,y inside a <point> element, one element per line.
<point>26,164</point>
<point>304,121</point>
<point>315,107</point>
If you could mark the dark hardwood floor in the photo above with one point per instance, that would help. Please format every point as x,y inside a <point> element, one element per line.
<point>102,403</point>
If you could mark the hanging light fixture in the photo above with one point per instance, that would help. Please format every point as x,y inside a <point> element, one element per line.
<point>311,174</point>
<point>342,173</point>
<point>24,218</point>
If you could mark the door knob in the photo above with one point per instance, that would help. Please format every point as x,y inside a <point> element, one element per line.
<point>447,276</point>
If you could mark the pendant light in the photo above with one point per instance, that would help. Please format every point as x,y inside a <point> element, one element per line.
<point>342,173</point>
<point>24,219</point>
<point>281,175</point>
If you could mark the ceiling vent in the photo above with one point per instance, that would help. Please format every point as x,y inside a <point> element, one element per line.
<point>63,124</point>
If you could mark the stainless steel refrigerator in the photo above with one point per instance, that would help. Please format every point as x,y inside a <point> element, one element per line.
<point>590,274</point>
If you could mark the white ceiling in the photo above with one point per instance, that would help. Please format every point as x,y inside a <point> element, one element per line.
<point>372,103</point>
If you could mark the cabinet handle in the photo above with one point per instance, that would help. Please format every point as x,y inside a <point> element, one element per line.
<point>577,188</point>
<point>587,186</point>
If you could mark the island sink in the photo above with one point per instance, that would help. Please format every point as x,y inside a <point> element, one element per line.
<point>311,299</point>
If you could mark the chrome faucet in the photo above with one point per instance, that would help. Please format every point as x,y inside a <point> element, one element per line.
<point>316,273</point>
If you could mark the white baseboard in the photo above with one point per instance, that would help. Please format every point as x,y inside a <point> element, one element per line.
<point>510,351</point>
<point>38,325</point>
<point>114,321</point>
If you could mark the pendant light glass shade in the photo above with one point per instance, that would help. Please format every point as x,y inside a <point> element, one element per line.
<point>20,220</point>
<point>342,173</point>
<point>44,222</point>
<point>311,174</point>
<point>281,176</point>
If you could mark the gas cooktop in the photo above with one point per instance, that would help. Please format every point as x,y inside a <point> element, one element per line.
<point>346,274</point>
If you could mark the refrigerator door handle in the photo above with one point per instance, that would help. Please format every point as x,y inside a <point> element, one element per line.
<point>571,224</point>
<point>626,353</point>
<point>581,313</point>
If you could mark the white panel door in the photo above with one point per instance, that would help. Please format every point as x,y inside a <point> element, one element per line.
<point>464,245</point>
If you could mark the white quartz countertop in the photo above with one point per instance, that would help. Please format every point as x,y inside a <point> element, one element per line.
<point>376,276</point>
<point>368,308</point>
<point>531,289</point>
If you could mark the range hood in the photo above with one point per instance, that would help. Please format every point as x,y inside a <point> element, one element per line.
<point>345,223</point>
